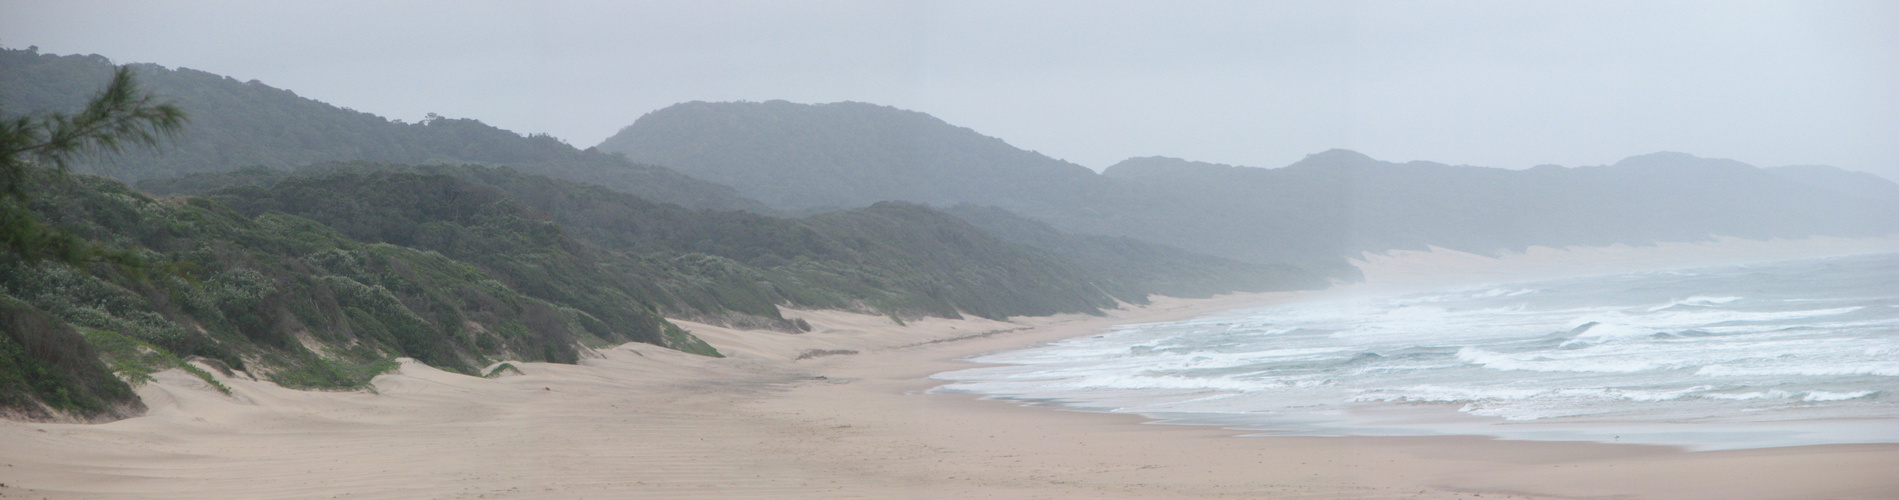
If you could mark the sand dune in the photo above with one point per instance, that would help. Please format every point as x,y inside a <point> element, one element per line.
<point>840,412</point>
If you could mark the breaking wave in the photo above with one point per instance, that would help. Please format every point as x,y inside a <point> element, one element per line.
<point>1801,340</point>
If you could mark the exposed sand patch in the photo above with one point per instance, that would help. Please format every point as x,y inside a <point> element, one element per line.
<point>639,421</point>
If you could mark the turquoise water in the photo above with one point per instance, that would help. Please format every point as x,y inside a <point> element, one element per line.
<point>1785,353</point>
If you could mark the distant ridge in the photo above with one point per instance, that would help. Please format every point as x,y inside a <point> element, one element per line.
<point>1369,205</point>
<point>1858,184</point>
<point>1311,213</point>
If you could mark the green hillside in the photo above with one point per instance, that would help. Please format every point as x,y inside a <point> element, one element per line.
<point>849,154</point>
<point>735,267</point>
<point>264,257</point>
<point>289,299</point>
<point>240,124</point>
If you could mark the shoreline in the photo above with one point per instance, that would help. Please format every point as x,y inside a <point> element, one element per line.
<point>854,418</point>
<point>1252,462</point>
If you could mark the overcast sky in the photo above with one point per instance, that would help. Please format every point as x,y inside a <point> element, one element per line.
<point>1506,84</point>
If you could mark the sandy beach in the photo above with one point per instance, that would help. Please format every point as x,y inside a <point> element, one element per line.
<point>840,412</point>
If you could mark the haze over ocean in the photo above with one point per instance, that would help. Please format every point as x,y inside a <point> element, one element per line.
<point>1783,353</point>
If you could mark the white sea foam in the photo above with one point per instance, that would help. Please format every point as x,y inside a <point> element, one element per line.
<point>1836,396</point>
<point>1599,330</point>
<point>1541,362</point>
<point>1698,300</point>
<point>1883,369</point>
<point>1769,343</point>
<point>1447,394</point>
<point>1747,396</point>
<point>1105,381</point>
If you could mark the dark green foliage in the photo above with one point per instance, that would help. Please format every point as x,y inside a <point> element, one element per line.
<point>318,277</point>
<point>538,232</point>
<point>469,223</point>
<point>942,265</point>
<point>294,300</point>
<point>708,265</point>
<point>545,236</point>
<point>39,147</point>
<point>119,115</point>
<point>47,371</point>
<point>241,124</point>
<point>201,183</point>
<point>904,258</point>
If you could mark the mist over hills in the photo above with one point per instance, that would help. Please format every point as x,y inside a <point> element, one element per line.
<point>846,154</point>
<point>1313,213</point>
<point>316,278</point>
<point>239,124</point>
<point>468,246</point>
<point>1131,267</point>
<point>895,258</point>
<point>1368,205</point>
<point>310,244</point>
<point>1863,185</point>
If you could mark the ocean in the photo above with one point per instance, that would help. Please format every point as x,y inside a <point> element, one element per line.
<point>1771,354</point>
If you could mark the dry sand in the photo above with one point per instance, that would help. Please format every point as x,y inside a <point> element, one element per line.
<point>638,421</point>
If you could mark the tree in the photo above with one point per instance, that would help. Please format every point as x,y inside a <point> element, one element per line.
<point>37,149</point>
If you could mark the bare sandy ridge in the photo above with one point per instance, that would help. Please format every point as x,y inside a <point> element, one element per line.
<point>638,421</point>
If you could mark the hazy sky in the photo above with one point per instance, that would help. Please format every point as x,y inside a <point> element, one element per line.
<point>1507,84</point>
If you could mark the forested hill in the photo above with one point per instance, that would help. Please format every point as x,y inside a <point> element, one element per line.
<point>319,275</point>
<point>1355,203</point>
<point>895,258</point>
<point>1867,187</point>
<point>847,154</point>
<point>890,259</point>
<point>318,278</point>
<point>292,300</point>
<point>238,124</point>
<point>1314,213</point>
